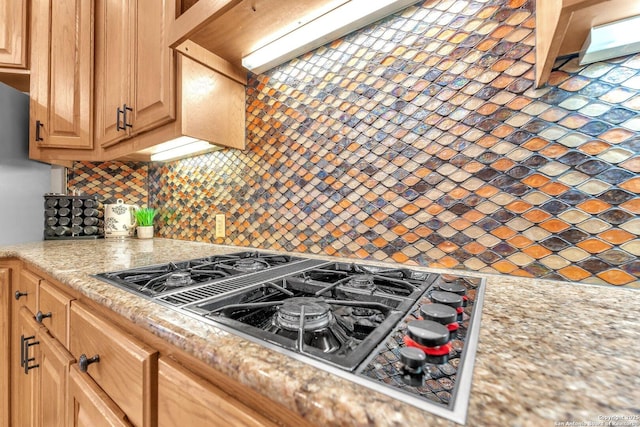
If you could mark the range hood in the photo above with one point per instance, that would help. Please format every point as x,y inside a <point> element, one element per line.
<point>210,115</point>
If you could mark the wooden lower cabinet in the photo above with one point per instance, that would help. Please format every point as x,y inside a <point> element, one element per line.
<point>126,368</point>
<point>5,339</point>
<point>90,406</point>
<point>54,363</point>
<point>187,400</point>
<point>25,402</point>
<point>128,385</point>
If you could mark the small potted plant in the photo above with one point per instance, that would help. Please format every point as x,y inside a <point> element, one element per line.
<point>144,220</point>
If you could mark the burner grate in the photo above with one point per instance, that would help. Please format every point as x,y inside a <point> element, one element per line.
<point>201,293</point>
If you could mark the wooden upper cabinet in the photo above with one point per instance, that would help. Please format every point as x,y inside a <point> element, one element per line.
<point>562,27</point>
<point>61,114</point>
<point>135,72</point>
<point>13,34</point>
<point>14,43</point>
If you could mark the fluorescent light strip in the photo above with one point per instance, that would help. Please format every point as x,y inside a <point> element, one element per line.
<point>181,147</point>
<point>326,28</point>
<point>619,38</point>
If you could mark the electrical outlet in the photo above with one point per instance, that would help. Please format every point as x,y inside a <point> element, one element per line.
<point>220,223</point>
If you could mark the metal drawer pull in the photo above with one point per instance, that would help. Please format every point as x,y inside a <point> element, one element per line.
<point>84,361</point>
<point>20,294</point>
<point>40,316</point>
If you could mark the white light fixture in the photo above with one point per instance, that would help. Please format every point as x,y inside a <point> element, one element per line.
<point>611,40</point>
<point>338,22</point>
<point>181,147</point>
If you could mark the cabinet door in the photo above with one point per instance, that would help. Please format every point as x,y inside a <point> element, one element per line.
<point>153,78</point>
<point>126,369</point>
<point>54,371</point>
<point>24,381</point>
<point>184,399</point>
<point>23,326</point>
<point>5,337</point>
<point>113,53</point>
<point>61,74</point>
<point>134,69</point>
<point>13,34</point>
<point>89,406</point>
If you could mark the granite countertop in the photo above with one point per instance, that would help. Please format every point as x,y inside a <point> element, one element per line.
<point>548,353</point>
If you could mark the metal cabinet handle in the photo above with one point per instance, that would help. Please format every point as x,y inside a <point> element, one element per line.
<point>19,294</point>
<point>127,124</point>
<point>118,127</point>
<point>38,126</point>
<point>40,316</point>
<point>84,361</point>
<point>24,353</point>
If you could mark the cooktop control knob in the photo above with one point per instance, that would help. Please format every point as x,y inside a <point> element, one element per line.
<point>450,299</point>
<point>455,288</point>
<point>440,313</point>
<point>430,337</point>
<point>412,359</point>
<point>447,298</point>
<point>428,333</point>
<point>443,314</point>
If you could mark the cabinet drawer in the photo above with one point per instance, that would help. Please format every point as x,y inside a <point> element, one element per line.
<point>27,290</point>
<point>185,399</point>
<point>54,312</point>
<point>126,369</point>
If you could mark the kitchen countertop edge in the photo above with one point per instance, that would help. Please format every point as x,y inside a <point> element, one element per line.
<point>541,358</point>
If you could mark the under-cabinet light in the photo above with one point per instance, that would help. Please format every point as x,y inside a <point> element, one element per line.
<point>338,22</point>
<point>181,147</point>
<point>611,40</point>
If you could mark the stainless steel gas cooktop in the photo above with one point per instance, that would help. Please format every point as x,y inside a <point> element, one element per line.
<point>409,334</point>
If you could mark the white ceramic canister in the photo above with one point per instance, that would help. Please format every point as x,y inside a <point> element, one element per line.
<point>119,219</point>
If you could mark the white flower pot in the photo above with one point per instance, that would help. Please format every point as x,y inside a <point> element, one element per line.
<point>145,232</point>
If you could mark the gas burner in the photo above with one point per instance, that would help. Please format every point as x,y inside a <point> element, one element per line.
<point>178,279</point>
<point>249,265</point>
<point>362,281</point>
<point>316,312</point>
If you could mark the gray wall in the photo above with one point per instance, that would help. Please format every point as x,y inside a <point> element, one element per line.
<point>22,182</point>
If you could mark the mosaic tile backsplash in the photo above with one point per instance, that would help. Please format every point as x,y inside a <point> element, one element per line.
<point>111,181</point>
<point>421,140</point>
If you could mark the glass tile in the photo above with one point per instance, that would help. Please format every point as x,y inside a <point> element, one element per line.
<point>615,155</point>
<point>594,187</point>
<point>595,109</point>
<point>573,235</point>
<point>617,95</point>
